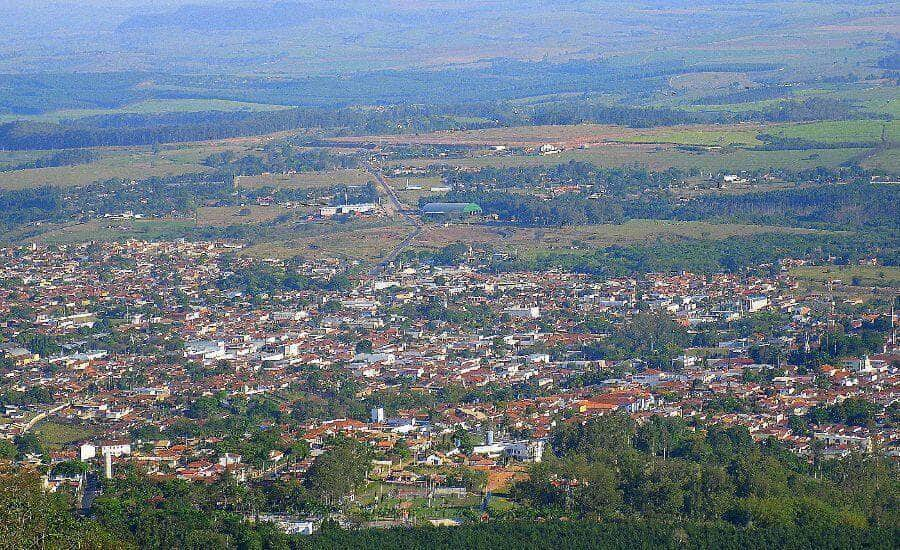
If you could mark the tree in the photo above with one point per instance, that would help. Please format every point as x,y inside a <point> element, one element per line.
<point>364,346</point>
<point>339,472</point>
<point>28,443</point>
<point>609,433</point>
<point>33,518</point>
<point>70,468</point>
<point>8,450</point>
<point>660,435</point>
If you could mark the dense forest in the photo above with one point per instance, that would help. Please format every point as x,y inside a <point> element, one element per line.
<point>624,535</point>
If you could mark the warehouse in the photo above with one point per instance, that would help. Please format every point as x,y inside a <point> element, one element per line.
<point>451,209</point>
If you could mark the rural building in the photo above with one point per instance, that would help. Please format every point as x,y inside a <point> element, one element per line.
<point>341,209</point>
<point>451,209</point>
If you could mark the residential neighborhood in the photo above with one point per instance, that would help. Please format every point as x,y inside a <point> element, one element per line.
<point>166,358</point>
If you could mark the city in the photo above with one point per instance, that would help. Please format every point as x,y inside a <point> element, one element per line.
<point>372,274</point>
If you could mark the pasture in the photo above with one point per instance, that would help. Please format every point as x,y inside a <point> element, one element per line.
<point>529,241</point>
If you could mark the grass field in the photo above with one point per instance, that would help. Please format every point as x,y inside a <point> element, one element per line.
<point>306,180</point>
<point>871,98</point>
<point>222,216</point>
<point>841,131</point>
<point>55,435</point>
<point>365,242</point>
<point>127,163</point>
<point>151,106</point>
<point>530,241</point>
<point>710,136</point>
<point>887,160</point>
<point>856,275</point>
<point>661,157</point>
<point>116,230</point>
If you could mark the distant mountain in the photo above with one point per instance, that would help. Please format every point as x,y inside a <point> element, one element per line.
<point>208,17</point>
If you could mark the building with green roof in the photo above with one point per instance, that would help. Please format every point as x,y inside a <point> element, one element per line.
<point>451,209</point>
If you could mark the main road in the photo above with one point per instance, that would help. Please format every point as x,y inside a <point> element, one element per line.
<point>395,207</point>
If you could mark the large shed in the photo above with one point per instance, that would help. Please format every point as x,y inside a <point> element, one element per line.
<point>457,209</point>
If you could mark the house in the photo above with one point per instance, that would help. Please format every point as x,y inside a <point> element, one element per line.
<point>525,451</point>
<point>434,459</point>
<point>229,459</point>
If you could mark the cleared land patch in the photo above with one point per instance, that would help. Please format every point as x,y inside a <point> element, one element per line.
<point>222,216</point>
<point>660,157</point>
<point>305,180</point>
<point>150,107</point>
<point>856,275</point>
<point>531,240</point>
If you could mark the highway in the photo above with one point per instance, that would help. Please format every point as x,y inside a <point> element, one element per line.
<point>396,207</point>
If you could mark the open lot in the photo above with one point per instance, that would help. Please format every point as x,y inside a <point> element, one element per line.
<point>367,242</point>
<point>661,157</point>
<point>150,106</point>
<point>855,275</point>
<point>529,241</point>
<point>55,435</point>
<point>306,180</point>
<point>126,163</point>
<point>222,216</point>
<point>116,230</point>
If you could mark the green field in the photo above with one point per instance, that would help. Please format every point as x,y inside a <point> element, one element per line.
<point>306,180</point>
<point>887,160</point>
<point>150,107</point>
<point>124,162</point>
<point>711,136</point>
<point>116,230</point>
<point>55,435</point>
<point>531,241</point>
<point>661,157</point>
<point>842,131</point>
<point>366,241</point>
<point>856,275</point>
<point>878,99</point>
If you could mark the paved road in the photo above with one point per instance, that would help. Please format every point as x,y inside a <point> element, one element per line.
<point>395,207</point>
<point>91,491</point>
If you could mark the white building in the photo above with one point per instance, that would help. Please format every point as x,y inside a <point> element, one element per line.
<point>523,312</point>
<point>328,211</point>
<point>755,302</point>
<point>115,448</point>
